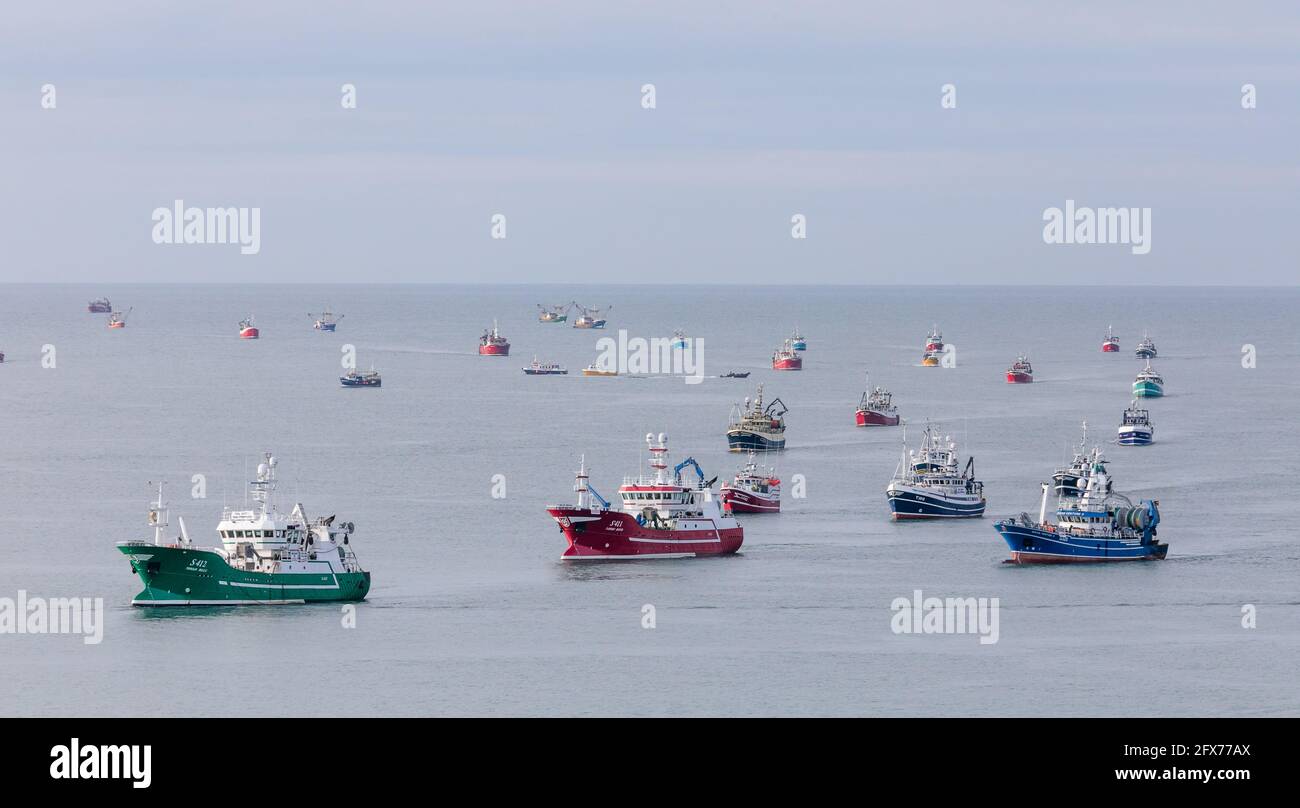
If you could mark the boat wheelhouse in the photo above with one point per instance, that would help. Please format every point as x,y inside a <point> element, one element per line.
<point>754,427</point>
<point>934,341</point>
<point>1135,427</point>
<point>927,485</point>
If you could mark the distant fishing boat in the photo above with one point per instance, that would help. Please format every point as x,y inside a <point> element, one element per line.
<point>797,341</point>
<point>545,369</point>
<point>326,320</point>
<point>926,484</point>
<point>588,317</point>
<point>552,314</point>
<point>1135,427</point>
<point>786,358</point>
<point>934,346</point>
<point>754,489</point>
<point>1111,343</point>
<point>734,375</point>
<point>679,340</point>
<point>594,370</point>
<point>1146,349</point>
<point>361,378</point>
<point>247,330</point>
<point>876,408</point>
<point>755,427</point>
<point>99,306</point>
<point>492,343</point>
<point>1020,372</point>
<point>118,319</point>
<point>1099,525</point>
<point>1148,383</point>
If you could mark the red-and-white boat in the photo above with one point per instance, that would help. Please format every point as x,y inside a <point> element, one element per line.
<point>1020,372</point>
<point>1111,343</point>
<point>934,342</point>
<point>661,516</point>
<point>247,330</point>
<point>787,358</point>
<point>492,343</point>
<point>755,489</point>
<point>117,319</point>
<point>877,407</point>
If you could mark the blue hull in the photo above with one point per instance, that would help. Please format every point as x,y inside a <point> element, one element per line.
<point>1135,439</point>
<point>328,327</point>
<point>800,346</point>
<point>749,442</point>
<point>1033,545</point>
<point>911,505</point>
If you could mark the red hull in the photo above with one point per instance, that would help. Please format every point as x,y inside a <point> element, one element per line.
<point>613,535</point>
<point>743,501</point>
<point>1019,378</point>
<point>250,333</point>
<point>494,350</point>
<point>117,325</point>
<point>1018,557</point>
<point>1110,347</point>
<point>788,364</point>
<point>873,418</point>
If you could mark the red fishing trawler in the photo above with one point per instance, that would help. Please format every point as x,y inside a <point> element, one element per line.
<point>1020,372</point>
<point>492,343</point>
<point>661,516</point>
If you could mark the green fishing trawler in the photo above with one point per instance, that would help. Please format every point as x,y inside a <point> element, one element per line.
<point>265,557</point>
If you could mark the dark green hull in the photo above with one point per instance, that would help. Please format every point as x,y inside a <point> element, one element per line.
<point>183,576</point>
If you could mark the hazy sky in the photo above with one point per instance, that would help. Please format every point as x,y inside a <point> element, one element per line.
<point>765,108</point>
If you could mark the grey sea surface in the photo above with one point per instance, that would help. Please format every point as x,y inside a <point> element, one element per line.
<point>471,610</point>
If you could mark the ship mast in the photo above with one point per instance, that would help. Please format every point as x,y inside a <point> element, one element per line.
<point>658,457</point>
<point>264,485</point>
<point>158,517</point>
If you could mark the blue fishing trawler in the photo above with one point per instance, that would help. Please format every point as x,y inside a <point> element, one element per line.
<point>1099,525</point>
<point>757,428</point>
<point>1135,428</point>
<point>927,485</point>
<point>361,378</point>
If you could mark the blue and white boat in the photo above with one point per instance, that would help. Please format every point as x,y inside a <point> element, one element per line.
<point>1135,429</point>
<point>1100,525</point>
<point>326,320</point>
<point>1148,383</point>
<point>361,378</point>
<point>797,342</point>
<point>1146,349</point>
<point>926,484</point>
<point>755,428</point>
<point>679,340</point>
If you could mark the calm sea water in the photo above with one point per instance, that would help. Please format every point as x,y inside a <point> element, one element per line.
<point>472,613</point>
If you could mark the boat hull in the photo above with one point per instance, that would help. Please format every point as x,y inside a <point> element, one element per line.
<point>250,333</point>
<point>532,372</point>
<point>930,362</point>
<point>1036,545</point>
<point>911,502</point>
<point>745,501</point>
<point>744,440</point>
<point>1148,390</point>
<point>794,363</point>
<point>1136,436</point>
<point>1017,377</point>
<point>494,350</point>
<point>1110,347</point>
<point>93,309</point>
<point>326,326</point>
<point>601,535</point>
<point>177,576</point>
<point>873,418</point>
<point>355,383</point>
<point>589,324</point>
